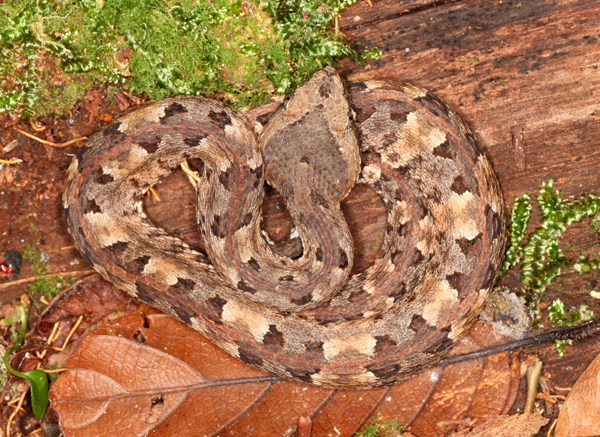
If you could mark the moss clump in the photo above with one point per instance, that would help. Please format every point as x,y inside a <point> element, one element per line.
<point>537,254</point>
<point>381,428</point>
<point>48,287</point>
<point>241,51</point>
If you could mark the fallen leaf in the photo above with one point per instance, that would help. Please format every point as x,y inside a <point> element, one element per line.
<point>580,414</point>
<point>155,376</point>
<point>518,425</point>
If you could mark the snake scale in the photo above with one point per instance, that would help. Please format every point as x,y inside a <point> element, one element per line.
<point>305,319</point>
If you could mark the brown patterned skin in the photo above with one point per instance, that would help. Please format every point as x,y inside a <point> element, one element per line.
<point>445,238</point>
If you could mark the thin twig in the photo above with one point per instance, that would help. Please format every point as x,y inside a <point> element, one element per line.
<point>50,143</point>
<point>49,275</point>
<point>53,335</point>
<point>37,126</point>
<point>71,332</point>
<point>14,413</point>
<point>580,332</point>
<point>533,378</point>
<point>154,193</point>
<point>72,246</point>
<point>53,370</point>
<point>551,430</point>
<point>336,24</point>
<point>12,402</point>
<point>192,175</point>
<point>11,161</point>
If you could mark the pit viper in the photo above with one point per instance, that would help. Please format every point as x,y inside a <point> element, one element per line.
<point>303,318</point>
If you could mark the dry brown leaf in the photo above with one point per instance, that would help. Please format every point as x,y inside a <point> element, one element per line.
<point>153,374</point>
<point>519,425</point>
<point>580,414</point>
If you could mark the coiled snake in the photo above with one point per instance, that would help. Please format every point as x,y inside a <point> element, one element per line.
<point>303,319</point>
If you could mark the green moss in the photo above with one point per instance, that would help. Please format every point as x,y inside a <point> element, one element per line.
<point>596,223</point>
<point>381,428</point>
<point>537,256</point>
<point>49,287</point>
<point>241,51</point>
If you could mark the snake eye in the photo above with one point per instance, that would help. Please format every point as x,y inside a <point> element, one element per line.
<point>351,115</point>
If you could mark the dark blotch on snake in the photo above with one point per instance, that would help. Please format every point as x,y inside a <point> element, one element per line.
<point>357,295</point>
<point>258,172</point>
<point>385,344</point>
<point>185,314</point>
<point>470,247</point>
<point>319,254</point>
<point>302,375</point>
<point>249,357</point>
<point>384,372</point>
<point>417,258</point>
<point>217,303</point>
<point>224,178</point>
<point>418,324</point>
<point>490,275</point>
<point>92,206</point>
<point>146,293</point>
<point>443,150</point>
<point>355,316</point>
<point>183,285</point>
<point>399,291</point>
<point>435,103</point>
<point>216,227</point>
<point>81,157</point>
<point>117,248</point>
<point>302,300</point>
<point>221,118</point>
<point>245,221</point>
<point>319,199</point>
<point>315,347</point>
<point>400,116</point>
<point>396,256</point>
<point>343,260</point>
<point>262,119</point>
<point>495,219</point>
<point>112,130</point>
<point>171,110</point>
<point>324,90</point>
<point>459,185</point>
<point>254,264</point>
<point>245,287</point>
<point>388,139</point>
<point>139,263</point>
<point>456,280</point>
<point>194,141</point>
<point>274,337</point>
<point>150,146</point>
<point>102,178</point>
<point>442,343</point>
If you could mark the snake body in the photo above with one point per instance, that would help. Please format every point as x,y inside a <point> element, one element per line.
<point>304,319</point>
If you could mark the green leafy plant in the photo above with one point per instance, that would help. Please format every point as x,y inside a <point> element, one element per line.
<point>37,378</point>
<point>242,51</point>
<point>537,255</point>
<point>381,428</point>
